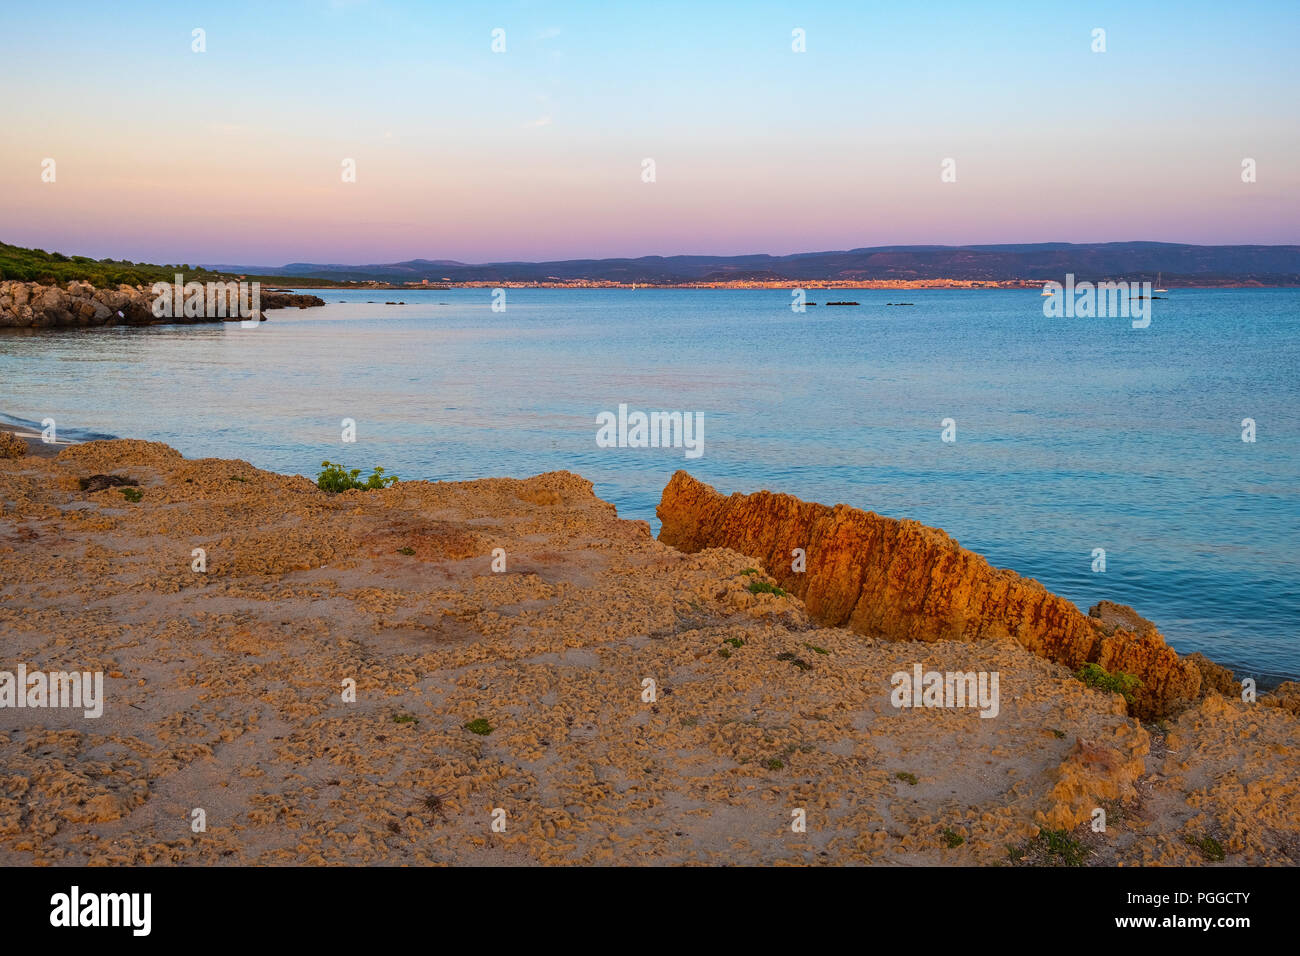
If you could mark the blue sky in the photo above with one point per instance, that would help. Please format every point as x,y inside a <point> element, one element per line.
<point>233,154</point>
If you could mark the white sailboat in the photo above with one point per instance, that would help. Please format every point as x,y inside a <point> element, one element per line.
<point>1159,276</point>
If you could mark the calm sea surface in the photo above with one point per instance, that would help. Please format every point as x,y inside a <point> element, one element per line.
<point>1072,434</point>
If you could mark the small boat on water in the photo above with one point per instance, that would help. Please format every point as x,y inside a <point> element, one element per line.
<point>1046,291</point>
<point>1159,276</point>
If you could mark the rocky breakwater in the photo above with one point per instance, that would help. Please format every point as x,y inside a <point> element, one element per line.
<point>25,305</point>
<point>902,580</point>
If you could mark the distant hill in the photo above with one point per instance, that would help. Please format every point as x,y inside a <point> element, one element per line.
<point>1183,264</point>
<point>37,265</point>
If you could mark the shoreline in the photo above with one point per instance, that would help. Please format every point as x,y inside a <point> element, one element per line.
<point>1266,681</point>
<point>521,685</point>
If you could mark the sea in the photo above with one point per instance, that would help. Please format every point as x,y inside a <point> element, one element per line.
<point>1040,442</point>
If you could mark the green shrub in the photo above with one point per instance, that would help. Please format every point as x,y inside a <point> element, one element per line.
<point>1210,848</point>
<point>334,479</point>
<point>1060,844</point>
<point>479,726</point>
<point>794,659</point>
<point>1094,675</point>
<point>762,587</point>
<point>132,494</point>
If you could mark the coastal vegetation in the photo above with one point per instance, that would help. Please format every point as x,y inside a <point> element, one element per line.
<point>37,265</point>
<point>335,479</point>
<point>1094,675</point>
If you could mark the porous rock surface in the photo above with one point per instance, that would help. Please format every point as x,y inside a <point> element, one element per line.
<point>224,692</point>
<point>906,581</point>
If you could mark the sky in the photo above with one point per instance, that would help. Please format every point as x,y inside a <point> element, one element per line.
<point>236,154</point>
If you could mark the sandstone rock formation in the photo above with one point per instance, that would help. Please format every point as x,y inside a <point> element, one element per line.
<point>11,446</point>
<point>33,305</point>
<point>223,690</point>
<point>904,581</point>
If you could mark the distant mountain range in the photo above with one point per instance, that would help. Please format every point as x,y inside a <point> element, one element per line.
<point>1264,265</point>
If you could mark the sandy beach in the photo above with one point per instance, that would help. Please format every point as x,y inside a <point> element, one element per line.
<point>519,697</point>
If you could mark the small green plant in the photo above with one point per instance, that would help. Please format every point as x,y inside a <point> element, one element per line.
<point>1210,848</point>
<point>238,478</point>
<point>404,719</point>
<point>1015,853</point>
<point>724,652</point>
<point>906,777</point>
<point>750,571</point>
<point>815,649</point>
<point>763,587</point>
<point>1060,844</point>
<point>479,726</point>
<point>952,838</point>
<point>334,479</point>
<point>794,659</point>
<point>690,721</point>
<point>1094,675</point>
<point>132,494</point>
<point>774,763</point>
<point>406,551</point>
<point>735,641</point>
<point>1058,734</point>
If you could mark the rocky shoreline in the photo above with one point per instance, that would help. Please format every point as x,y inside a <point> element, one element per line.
<point>514,646</point>
<point>33,305</point>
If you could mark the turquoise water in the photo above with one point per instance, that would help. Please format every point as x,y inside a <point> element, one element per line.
<point>1072,434</point>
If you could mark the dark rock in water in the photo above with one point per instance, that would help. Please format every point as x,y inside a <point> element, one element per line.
<point>841,303</point>
<point>283,300</point>
<point>100,482</point>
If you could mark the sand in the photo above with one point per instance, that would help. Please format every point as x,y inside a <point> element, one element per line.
<point>225,693</point>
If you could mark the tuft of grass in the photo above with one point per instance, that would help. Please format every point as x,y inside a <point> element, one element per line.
<point>405,719</point>
<point>238,478</point>
<point>906,777</point>
<point>750,571</point>
<point>1210,848</point>
<point>132,494</point>
<point>1058,734</point>
<point>794,659</point>
<point>952,838</point>
<point>724,652</point>
<point>406,551</point>
<point>762,587</point>
<point>1015,853</point>
<point>735,641</point>
<point>335,479</point>
<point>1060,844</point>
<point>690,721</point>
<point>433,803</point>
<point>774,763</point>
<point>1094,675</point>
<point>815,649</point>
<point>479,726</point>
